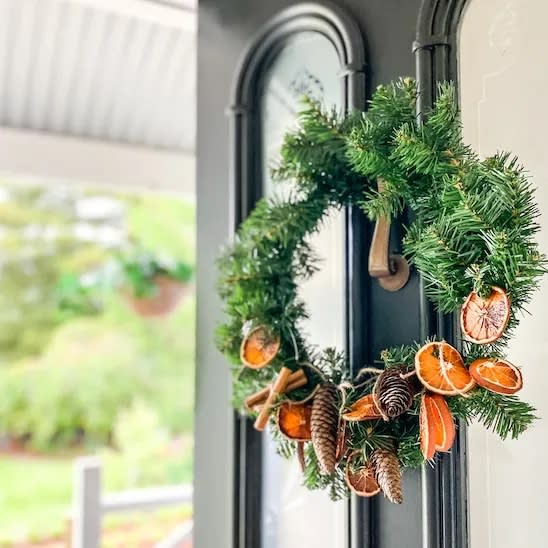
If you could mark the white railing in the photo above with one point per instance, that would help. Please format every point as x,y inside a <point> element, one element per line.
<point>90,505</point>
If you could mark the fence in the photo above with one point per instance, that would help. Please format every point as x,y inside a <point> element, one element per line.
<point>90,505</point>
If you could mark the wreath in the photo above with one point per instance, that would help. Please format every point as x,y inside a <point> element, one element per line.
<point>472,239</point>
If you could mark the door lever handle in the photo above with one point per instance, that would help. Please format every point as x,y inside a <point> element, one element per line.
<point>392,271</point>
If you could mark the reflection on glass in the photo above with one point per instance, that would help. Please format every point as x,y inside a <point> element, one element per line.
<point>503,81</point>
<point>307,64</point>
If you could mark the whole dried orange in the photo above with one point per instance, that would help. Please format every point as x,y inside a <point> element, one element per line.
<point>294,420</point>
<point>259,347</point>
<point>484,320</point>
<point>437,426</point>
<point>441,369</point>
<point>496,375</point>
<point>363,409</point>
<point>361,478</point>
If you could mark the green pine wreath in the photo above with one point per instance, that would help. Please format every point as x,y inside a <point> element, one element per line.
<point>472,239</point>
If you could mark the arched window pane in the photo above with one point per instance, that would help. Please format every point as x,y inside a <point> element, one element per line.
<point>307,64</point>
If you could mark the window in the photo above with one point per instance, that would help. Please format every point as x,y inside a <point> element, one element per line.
<point>307,63</point>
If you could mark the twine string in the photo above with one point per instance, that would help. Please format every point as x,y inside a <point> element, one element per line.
<point>363,370</point>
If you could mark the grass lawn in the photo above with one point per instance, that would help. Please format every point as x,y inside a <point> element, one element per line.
<point>36,492</point>
<point>34,497</point>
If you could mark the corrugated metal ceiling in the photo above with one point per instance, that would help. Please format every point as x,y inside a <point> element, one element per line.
<point>115,70</point>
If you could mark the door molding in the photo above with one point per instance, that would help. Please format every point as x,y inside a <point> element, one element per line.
<point>445,487</point>
<point>322,17</point>
<point>435,46</point>
<point>342,30</point>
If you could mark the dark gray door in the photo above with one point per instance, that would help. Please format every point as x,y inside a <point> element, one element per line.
<point>248,52</point>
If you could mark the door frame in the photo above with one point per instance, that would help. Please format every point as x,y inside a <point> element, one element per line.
<point>445,487</point>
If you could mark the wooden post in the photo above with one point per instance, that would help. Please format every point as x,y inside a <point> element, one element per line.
<point>86,506</point>
<point>68,530</point>
<point>180,536</point>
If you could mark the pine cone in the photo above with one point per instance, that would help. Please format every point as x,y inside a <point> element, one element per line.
<point>324,424</point>
<point>388,474</point>
<point>392,394</point>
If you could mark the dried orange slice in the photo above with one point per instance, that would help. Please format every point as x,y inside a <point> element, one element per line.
<point>441,369</point>
<point>484,320</point>
<point>294,421</point>
<point>361,479</point>
<point>445,432</point>
<point>427,431</point>
<point>363,409</point>
<point>437,426</point>
<point>259,347</point>
<point>496,375</point>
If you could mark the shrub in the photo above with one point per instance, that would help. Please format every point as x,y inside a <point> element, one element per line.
<point>143,453</point>
<point>73,395</point>
<point>50,406</point>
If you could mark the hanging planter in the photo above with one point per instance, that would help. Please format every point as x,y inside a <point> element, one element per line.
<point>153,287</point>
<point>167,294</point>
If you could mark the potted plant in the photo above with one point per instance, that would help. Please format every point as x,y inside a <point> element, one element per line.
<point>153,286</point>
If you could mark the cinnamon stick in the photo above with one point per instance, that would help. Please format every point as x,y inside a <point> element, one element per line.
<point>296,380</point>
<point>300,455</point>
<point>277,388</point>
<point>290,387</point>
<point>296,383</point>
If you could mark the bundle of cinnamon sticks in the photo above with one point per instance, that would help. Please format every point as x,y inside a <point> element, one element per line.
<point>286,381</point>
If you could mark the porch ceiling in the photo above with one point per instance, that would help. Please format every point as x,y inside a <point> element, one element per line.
<point>115,70</point>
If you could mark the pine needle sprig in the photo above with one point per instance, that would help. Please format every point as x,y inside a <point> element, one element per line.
<point>508,416</point>
<point>314,479</point>
<point>285,448</point>
<point>409,452</point>
<point>369,145</point>
<point>400,355</point>
<point>314,156</point>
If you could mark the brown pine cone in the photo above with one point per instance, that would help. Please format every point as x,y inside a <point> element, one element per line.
<point>388,474</point>
<point>392,393</point>
<point>324,423</point>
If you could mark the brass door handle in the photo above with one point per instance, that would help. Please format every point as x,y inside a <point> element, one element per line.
<point>392,271</point>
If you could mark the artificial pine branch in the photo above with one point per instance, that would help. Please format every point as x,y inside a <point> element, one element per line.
<point>400,355</point>
<point>314,156</point>
<point>315,479</point>
<point>285,448</point>
<point>409,453</point>
<point>369,435</point>
<point>508,416</point>
<point>369,145</point>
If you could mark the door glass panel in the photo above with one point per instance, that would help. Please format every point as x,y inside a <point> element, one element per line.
<point>503,82</point>
<point>308,63</point>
